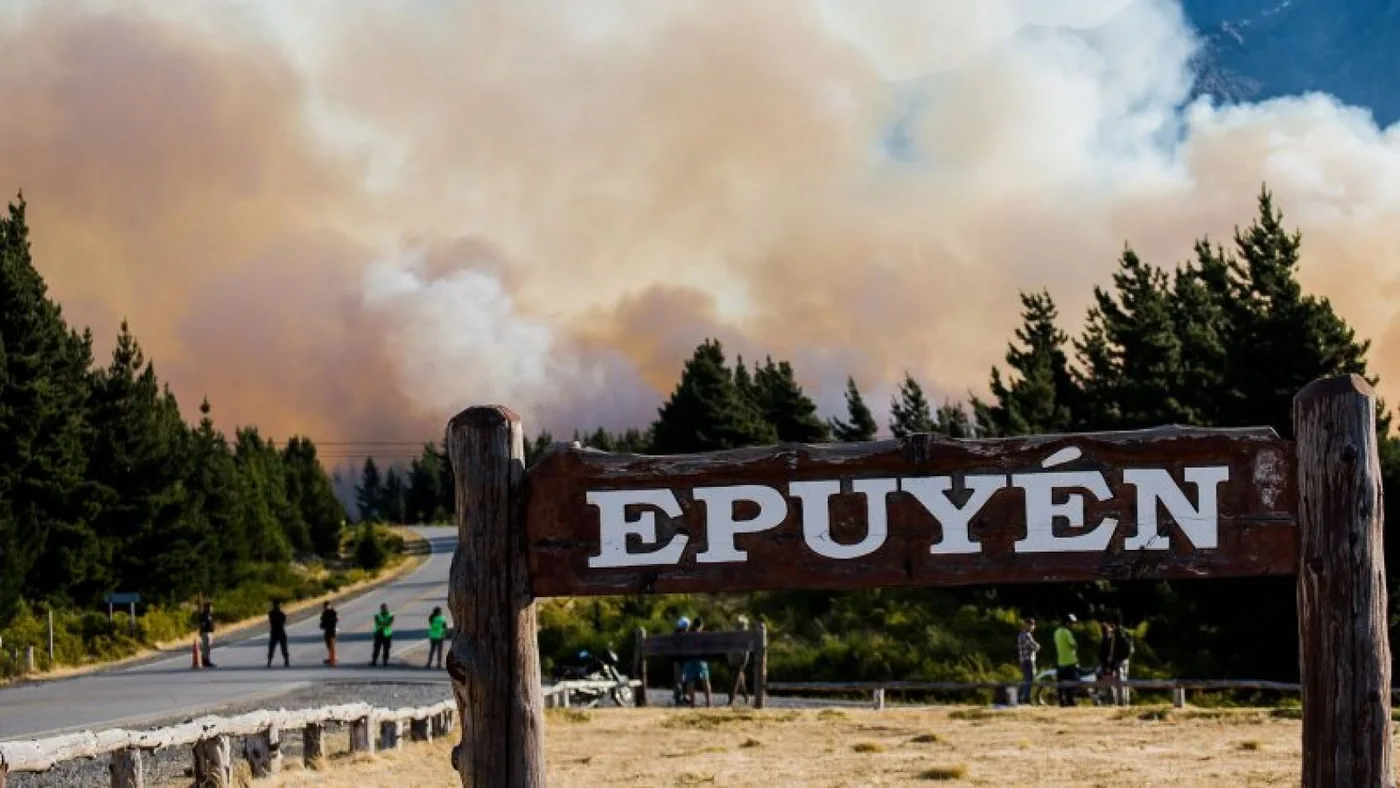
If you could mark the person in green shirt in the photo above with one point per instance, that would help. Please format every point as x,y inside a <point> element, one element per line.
<point>437,632</point>
<point>383,634</point>
<point>1066,660</point>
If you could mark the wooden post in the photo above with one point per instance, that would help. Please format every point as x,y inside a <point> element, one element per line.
<point>312,746</point>
<point>360,740</point>
<point>3,772</point>
<point>125,769</point>
<point>418,730</point>
<point>639,667</point>
<point>878,698</point>
<point>1179,697</point>
<point>1344,654</point>
<point>261,750</point>
<point>389,734</point>
<point>441,724</point>
<point>760,668</point>
<point>495,660</point>
<point>28,659</point>
<point>213,763</point>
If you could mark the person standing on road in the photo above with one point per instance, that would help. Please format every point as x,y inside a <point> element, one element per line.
<point>277,634</point>
<point>329,619</point>
<point>383,634</point>
<point>206,634</point>
<point>437,632</point>
<point>1066,660</point>
<point>1026,649</point>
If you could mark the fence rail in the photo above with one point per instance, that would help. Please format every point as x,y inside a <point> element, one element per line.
<point>212,740</point>
<point>1008,689</point>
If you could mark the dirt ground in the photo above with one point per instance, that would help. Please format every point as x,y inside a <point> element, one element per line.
<point>831,748</point>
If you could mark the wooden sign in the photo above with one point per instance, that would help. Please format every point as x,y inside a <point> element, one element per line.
<point>923,511</point>
<point>928,511</point>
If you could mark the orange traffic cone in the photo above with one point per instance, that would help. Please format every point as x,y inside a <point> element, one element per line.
<point>194,654</point>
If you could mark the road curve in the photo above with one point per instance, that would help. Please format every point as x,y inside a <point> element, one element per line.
<point>167,687</point>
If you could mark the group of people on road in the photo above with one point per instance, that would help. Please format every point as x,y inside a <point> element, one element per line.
<point>1116,649</point>
<point>330,622</point>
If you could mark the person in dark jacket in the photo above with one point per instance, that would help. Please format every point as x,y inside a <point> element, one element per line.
<point>206,634</point>
<point>277,634</point>
<point>329,620</point>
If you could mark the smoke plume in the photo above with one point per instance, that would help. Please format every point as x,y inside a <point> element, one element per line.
<point>351,223</point>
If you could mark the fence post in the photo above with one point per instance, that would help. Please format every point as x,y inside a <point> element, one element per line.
<point>1179,697</point>
<point>125,769</point>
<point>1344,652</point>
<point>312,746</point>
<point>213,763</point>
<point>494,660</point>
<point>261,750</point>
<point>760,668</point>
<point>28,659</point>
<point>389,734</point>
<point>50,638</point>
<point>639,667</point>
<point>360,739</point>
<point>419,729</point>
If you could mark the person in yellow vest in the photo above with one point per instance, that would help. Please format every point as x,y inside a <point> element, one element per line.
<point>1066,660</point>
<point>437,632</point>
<point>383,634</point>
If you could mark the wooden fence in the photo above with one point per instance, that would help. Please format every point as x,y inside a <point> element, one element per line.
<point>751,642</point>
<point>212,741</point>
<point>1007,690</point>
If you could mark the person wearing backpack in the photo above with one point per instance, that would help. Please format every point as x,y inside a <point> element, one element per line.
<point>1118,666</point>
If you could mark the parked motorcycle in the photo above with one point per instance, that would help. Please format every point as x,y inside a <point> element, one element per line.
<point>587,666</point>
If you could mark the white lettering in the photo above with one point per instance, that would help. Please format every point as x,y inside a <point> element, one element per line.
<point>720,525</point>
<point>816,515</point>
<point>1200,524</point>
<point>614,527</point>
<point>932,493</point>
<point>1041,511</point>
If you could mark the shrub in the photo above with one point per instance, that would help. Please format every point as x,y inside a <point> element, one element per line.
<point>370,552</point>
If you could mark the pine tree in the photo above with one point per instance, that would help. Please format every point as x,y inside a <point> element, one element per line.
<point>221,494</point>
<point>706,411</point>
<point>48,547</point>
<point>786,406</point>
<point>370,492</point>
<point>861,424</point>
<point>909,410</point>
<point>310,493</point>
<point>392,505</point>
<point>745,383</point>
<point>952,420</point>
<point>425,497</point>
<point>150,529</point>
<point>1131,353</point>
<point>1041,395</point>
<point>275,526</point>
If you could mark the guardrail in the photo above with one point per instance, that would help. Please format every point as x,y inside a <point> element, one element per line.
<point>212,740</point>
<point>557,695</point>
<point>1007,689</point>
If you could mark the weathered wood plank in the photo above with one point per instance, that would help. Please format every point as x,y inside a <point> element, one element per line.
<point>390,733</point>
<point>922,511</point>
<point>760,667</point>
<point>1345,652</point>
<point>262,752</point>
<point>213,763</point>
<point>494,659</point>
<point>420,729</point>
<point>700,644</point>
<point>313,744</point>
<point>361,741</point>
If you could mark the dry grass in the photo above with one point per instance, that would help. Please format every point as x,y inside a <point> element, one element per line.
<point>1020,747</point>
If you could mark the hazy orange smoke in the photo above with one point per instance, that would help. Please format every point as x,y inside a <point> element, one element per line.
<point>352,223</point>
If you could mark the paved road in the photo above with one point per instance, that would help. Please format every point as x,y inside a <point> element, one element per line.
<point>165,687</point>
